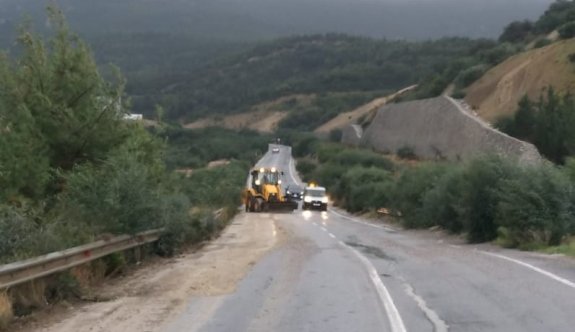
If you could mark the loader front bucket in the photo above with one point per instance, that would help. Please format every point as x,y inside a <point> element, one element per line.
<point>282,206</point>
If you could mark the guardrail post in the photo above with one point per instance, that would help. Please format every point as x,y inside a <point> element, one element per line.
<point>138,254</point>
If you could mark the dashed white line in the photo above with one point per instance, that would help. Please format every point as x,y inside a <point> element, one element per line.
<point>331,235</point>
<point>395,321</point>
<point>438,324</point>
<point>533,268</point>
<point>324,229</point>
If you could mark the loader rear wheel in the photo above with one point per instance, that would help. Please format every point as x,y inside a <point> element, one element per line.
<point>251,204</point>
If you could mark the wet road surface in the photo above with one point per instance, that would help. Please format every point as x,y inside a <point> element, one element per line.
<point>339,273</point>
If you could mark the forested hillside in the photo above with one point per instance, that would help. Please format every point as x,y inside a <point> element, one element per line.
<point>304,65</point>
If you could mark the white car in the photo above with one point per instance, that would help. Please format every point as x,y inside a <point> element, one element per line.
<point>315,198</point>
<point>276,150</point>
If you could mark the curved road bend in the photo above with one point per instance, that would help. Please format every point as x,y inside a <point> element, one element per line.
<point>339,273</point>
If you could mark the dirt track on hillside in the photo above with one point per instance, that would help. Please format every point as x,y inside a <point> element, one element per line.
<point>150,297</point>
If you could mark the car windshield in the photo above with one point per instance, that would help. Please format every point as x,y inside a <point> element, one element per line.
<point>315,192</point>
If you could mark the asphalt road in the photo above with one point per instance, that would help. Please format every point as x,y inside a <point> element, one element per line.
<point>339,273</point>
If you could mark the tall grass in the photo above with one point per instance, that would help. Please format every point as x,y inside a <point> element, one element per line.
<point>6,312</point>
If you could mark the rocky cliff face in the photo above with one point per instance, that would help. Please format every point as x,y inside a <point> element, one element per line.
<point>438,128</point>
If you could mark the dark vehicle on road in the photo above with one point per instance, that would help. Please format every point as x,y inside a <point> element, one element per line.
<point>315,198</point>
<point>294,193</point>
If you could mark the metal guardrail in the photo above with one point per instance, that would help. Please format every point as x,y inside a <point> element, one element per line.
<point>34,268</point>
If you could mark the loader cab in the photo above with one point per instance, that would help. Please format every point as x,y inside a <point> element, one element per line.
<point>265,176</point>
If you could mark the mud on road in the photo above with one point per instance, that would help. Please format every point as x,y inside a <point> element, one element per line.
<point>154,294</point>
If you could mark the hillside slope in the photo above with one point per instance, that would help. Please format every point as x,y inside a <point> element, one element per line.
<point>345,119</point>
<point>497,93</point>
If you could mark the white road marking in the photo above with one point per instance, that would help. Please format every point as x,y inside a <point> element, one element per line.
<point>395,321</point>
<point>324,229</point>
<point>331,235</point>
<point>438,324</point>
<point>533,268</point>
<point>292,171</point>
<point>388,229</point>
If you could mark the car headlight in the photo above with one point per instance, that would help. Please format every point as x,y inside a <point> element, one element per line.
<point>324,200</point>
<point>307,199</point>
<point>287,192</point>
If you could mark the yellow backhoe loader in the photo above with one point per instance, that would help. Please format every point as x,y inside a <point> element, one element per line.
<point>265,193</point>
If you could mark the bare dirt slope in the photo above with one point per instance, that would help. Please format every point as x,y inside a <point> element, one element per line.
<point>264,117</point>
<point>345,119</point>
<point>144,301</point>
<point>497,93</point>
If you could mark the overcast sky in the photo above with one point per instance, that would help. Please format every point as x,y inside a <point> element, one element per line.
<point>254,19</point>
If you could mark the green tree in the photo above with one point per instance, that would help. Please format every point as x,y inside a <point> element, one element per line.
<point>55,109</point>
<point>517,31</point>
<point>554,123</point>
<point>567,31</point>
<point>525,120</point>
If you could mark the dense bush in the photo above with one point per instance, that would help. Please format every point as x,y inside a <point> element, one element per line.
<point>443,205</point>
<point>121,196</point>
<point>363,158</point>
<point>535,206</point>
<point>195,148</point>
<point>325,107</point>
<point>542,42</point>
<point>218,186</point>
<point>363,189</point>
<point>26,232</point>
<point>306,166</point>
<point>482,178</point>
<point>470,75</point>
<point>406,152</point>
<point>484,198</point>
<point>517,32</point>
<point>410,189</point>
<point>567,31</point>
<point>559,13</point>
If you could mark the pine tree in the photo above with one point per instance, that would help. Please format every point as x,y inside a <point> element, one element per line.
<point>55,111</point>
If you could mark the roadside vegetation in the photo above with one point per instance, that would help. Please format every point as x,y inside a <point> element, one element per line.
<point>548,123</point>
<point>73,170</point>
<point>560,17</point>
<point>487,199</point>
